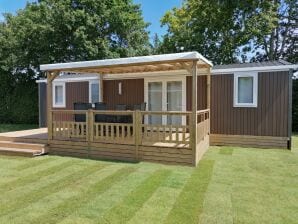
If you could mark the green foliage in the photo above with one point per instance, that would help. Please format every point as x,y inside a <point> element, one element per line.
<point>295,105</point>
<point>227,31</point>
<point>50,31</point>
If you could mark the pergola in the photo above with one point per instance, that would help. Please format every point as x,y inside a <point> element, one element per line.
<point>192,63</point>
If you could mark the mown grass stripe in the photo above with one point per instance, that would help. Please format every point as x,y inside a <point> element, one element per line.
<point>33,178</point>
<point>83,196</point>
<point>189,205</point>
<point>51,188</point>
<point>32,187</point>
<point>33,162</point>
<point>97,207</point>
<point>41,206</point>
<point>156,209</point>
<point>125,210</point>
<point>14,175</point>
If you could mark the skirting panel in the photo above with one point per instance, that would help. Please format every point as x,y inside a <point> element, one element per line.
<point>94,151</point>
<point>249,141</point>
<point>165,155</point>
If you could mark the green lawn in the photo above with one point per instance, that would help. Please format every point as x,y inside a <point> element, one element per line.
<point>16,127</point>
<point>231,185</point>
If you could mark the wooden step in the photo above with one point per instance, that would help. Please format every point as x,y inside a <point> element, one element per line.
<point>23,139</point>
<point>22,145</point>
<point>22,148</point>
<point>20,152</point>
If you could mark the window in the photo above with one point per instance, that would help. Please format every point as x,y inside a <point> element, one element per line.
<point>245,89</point>
<point>58,94</point>
<point>94,91</point>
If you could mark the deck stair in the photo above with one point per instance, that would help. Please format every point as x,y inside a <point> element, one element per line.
<point>22,148</point>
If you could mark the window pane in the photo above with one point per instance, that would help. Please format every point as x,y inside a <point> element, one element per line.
<point>245,90</point>
<point>58,95</point>
<point>174,101</point>
<point>94,92</point>
<point>155,101</point>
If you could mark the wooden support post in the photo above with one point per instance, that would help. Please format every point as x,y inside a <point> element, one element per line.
<point>50,79</point>
<point>193,139</point>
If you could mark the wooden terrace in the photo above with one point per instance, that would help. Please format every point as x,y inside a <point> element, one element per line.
<point>182,142</point>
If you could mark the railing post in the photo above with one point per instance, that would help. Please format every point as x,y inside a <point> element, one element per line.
<point>138,131</point>
<point>90,123</point>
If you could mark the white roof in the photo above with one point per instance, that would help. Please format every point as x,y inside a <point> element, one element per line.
<point>126,61</point>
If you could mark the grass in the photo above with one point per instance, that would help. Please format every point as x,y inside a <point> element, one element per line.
<point>230,185</point>
<point>16,127</point>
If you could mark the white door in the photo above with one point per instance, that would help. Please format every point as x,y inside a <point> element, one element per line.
<point>155,101</point>
<point>174,101</point>
<point>168,94</point>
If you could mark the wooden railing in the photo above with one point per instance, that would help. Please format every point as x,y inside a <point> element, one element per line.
<point>178,133</point>
<point>203,124</point>
<point>173,128</point>
<point>117,132</point>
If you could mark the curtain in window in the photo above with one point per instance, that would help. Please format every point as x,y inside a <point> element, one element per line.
<point>245,90</point>
<point>58,95</point>
<point>94,92</point>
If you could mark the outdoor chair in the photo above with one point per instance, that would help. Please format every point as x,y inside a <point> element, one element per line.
<point>100,117</point>
<point>81,106</point>
<point>121,118</point>
<point>81,117</point>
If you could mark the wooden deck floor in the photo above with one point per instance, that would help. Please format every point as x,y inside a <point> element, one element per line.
<point>39,135</point>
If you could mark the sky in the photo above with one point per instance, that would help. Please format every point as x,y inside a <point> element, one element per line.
<point>153,10</point>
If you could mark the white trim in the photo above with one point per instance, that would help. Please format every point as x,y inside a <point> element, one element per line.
<point>164,81</point>
<point>90,89</point>
<point>126,61</point>
<point>254,75</point>
<point>254,69</point>
<point>73,79</point>
<point>63,105</point>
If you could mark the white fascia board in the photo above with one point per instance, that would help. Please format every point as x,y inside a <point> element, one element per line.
<point>73,79</point>
<point>126,61</point>
<point>256,69</point>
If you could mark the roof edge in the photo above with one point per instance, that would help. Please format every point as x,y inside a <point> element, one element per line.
<point>256,68</point>
<point>126,61</point>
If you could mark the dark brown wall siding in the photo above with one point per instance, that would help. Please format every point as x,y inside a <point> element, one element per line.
<point>268,119</point>
<point>132,92</point>
<point>76,92</point>
<point>202,92</point>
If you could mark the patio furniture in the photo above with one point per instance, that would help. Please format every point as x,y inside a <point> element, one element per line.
<point>121,118</point>
<point>100,117</point>
<point>81,106</point>
<point>81,117</point>
<point>141,107</point>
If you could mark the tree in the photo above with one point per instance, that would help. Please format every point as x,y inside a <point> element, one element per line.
<point>228,31</point>
<point>50,31</point>
<point>281,40</point>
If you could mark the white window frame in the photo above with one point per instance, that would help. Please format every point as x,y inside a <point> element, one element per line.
<point>254,75</point>
<point>90,89</point>
<point>63,105</point>
<point>164,81</point>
